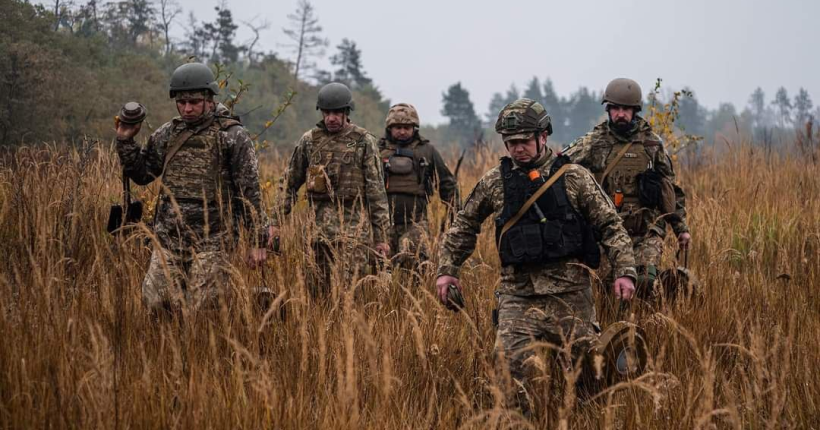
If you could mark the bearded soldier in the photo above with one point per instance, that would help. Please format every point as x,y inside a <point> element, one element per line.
<point>338,162</point>
<point>209,179</point>
<point>412,167</point>
<point>630,162</point>
<point>544,293</point>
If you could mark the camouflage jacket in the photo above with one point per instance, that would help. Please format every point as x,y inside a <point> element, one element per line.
<point>593,149</point>
<point>181,223</point>
<point>586,197</point>
<point>352,224</point>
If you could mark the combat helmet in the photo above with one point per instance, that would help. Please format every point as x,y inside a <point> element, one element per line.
<point>521,119</point>
<point>334,96</point>
<point>192,77</point>
<point>623,92</point>
<point>402,114</point>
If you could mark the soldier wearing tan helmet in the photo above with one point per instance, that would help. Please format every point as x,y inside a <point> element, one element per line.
<point>338,163</point>
<point>545,292</point>
<point>630,162</point>
<point>412,169</point>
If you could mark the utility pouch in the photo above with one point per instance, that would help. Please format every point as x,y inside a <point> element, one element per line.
<point>401,165</point>
<point>656,191</point>
<point>317,180</point>
<point>633,221</point>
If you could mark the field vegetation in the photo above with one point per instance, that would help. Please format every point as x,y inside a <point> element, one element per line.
<point>78,349</point>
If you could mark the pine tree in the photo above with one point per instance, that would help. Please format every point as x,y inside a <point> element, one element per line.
<point>533,91</point>
<point>349,65</point>
<point>465,127</point>
<point>802,107</point>
<point>691,115</point>
<point>496,104</point>
<point>783,107</point>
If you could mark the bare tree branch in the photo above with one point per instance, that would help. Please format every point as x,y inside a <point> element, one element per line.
<point>168,11</point>
<point>304,32</point>
<point>256,29</point>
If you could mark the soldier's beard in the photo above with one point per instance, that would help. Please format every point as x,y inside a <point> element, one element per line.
<point>622,126</point>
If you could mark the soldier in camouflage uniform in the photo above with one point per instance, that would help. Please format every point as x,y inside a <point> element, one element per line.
<point>208,169</point>
<point>625,156</point>
<point>412,167</point>
<point>544,294</point>
<point>338,162</point>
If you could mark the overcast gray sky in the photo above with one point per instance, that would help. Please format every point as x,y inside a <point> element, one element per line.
<point>414,50</point>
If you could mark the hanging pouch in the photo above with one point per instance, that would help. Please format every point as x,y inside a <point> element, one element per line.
<point>317,179</point>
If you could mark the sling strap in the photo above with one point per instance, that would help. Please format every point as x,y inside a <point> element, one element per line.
<point>532,200</point>
<point>614,163</point>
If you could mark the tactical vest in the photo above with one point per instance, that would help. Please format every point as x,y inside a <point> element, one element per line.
<point>198,172</point>
<point>407,170</point>
<point>561,234</point>
<point>341,158</point>
<point>622,183</point>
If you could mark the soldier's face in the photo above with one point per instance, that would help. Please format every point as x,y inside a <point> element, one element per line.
<point>401,131</point>
<point>193,109</point>
<point>525,150</point>
<point>335,120</point>
<point>620,114</point>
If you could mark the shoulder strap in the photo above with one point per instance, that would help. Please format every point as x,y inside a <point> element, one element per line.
<point>179,140</point>
<point>532,200</point>
<point>614,163</point>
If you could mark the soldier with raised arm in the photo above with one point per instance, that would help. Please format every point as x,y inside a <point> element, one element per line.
<point>209,177</point>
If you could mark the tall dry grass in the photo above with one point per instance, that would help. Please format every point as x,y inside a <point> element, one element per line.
<point>77,350</point>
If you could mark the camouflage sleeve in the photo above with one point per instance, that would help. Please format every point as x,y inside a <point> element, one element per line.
<point>578,151</point>
<point>460,240</point>
<point>587,197</point>
<point>376,194</point>
<point>294,177</point>
<point>663,164</point>
<point>245,174</point>
<point>446,180</point>
<point>143,165</point>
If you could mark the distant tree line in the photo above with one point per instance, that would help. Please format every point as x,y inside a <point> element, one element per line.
<point>66,67</point>
<point>577,113</point>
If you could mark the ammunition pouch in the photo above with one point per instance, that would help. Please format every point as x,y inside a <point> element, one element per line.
<point>633,219</point>
<point>401,163</point>
<point>656,191</point>
<point>551,230</point>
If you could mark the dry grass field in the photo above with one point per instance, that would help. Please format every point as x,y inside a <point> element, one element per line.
<point>78,351</point>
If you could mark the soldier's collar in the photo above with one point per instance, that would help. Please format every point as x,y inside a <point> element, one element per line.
<point>205,118</point>
<point>546,156</point>
<point>348,126</point>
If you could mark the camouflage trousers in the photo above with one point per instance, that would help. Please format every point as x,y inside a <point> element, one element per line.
<point>555,319</point>
<point>408,244</point>
<point>187,280</point>
<point>343,260</point>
